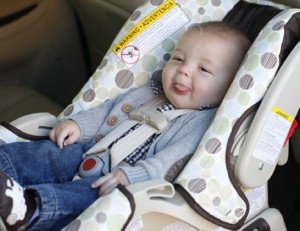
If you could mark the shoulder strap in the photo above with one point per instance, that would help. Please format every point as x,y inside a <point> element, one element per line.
<point>151,120</point>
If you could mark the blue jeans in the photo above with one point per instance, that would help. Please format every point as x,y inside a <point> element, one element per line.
<point>49,171</point>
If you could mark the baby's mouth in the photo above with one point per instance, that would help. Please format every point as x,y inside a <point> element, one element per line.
<point>181,89</point>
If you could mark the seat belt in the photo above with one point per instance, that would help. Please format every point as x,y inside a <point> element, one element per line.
<point>152,121</point>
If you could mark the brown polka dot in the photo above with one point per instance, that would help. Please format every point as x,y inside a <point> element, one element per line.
<point>216,201</point>
<point>268,60</point>
<point>89,95</point>
<point>239,212</point>
<point>197,185</point>
<point>102,64</point>
<point>216,2</point>
<point>74,225</point>
<point>213,146</point>
<point>156,2</point>
<point>246,82</point>
<point>124,79</point>
<point>101,217</point>
<point>201,11</point>
<point>278,26</point>
<point>136,14</point>
<point>69,110</point>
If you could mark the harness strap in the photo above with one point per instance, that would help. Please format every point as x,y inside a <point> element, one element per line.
<point>133,140</point>
<point>151,120</point>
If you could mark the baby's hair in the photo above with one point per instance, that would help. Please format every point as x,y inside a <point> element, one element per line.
<point>226,31</point>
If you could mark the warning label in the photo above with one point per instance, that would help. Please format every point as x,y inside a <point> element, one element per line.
<point>149,32</point>
<point>273,136</point>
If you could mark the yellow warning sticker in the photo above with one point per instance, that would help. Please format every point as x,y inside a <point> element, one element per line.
<point>282,114</point>
<point>144,24</point>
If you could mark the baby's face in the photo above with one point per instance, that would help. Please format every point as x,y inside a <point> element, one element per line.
<point>199,70</point>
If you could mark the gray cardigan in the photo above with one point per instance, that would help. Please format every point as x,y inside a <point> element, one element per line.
<point>176,144</point>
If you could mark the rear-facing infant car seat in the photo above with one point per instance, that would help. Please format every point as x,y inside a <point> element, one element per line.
<point>224,185</point>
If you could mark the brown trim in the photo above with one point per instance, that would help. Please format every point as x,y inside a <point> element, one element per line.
<point>130,198</point>
<point>22,134</point>
<point>198,209</point>
<point>190,200</point>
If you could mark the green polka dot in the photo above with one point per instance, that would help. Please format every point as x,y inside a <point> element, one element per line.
<point>168,45</point>
<point>251,63</point>
<point>213,186</point>
<point>202,2</point>
<point>116,222</point>
<point>113,93</point>
<point>97,75</point>
<point>274,37</point>
<point>221,125</point>
<point>120,65</point>
<point>129,26</point>
<point>149,63</point>
<point>78,96</point>
<point>206,162</point>
<point>244,98</point>
<point>142,78</point>
<point>206,18</point>
<point>19,139</point>
<point>234,88</point>
<point>182,180</point>
<point>102,92</point>
<point>219,14</point>
<point>188,13</point>
<point>87,214</point>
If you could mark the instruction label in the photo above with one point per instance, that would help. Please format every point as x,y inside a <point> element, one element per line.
<point>149,32</point>
<point>273,136</point>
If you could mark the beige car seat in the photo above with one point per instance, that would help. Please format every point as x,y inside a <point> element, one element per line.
<point>208,194</point>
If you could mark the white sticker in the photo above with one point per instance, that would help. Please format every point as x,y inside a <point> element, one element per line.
<point>179,226</point>
<point>150,32</point>
<point>135,224</point>
<point>257,199</point>
<point>273,136</point>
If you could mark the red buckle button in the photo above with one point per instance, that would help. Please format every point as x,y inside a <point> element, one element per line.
<point>88,164</point>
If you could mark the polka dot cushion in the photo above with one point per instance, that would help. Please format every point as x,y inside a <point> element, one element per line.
<point>204,179</point>
<point>107,213</point>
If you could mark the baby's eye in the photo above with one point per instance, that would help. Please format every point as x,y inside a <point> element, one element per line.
<point>204,69</point>
<point>178,59</point>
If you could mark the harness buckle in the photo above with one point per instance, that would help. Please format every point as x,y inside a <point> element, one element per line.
<point>152,117</point>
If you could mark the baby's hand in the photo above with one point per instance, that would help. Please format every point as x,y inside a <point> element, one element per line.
<point>109,182</point>
<point>64,133</point>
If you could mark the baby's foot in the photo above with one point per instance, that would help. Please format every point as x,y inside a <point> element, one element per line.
<point>16,204</point>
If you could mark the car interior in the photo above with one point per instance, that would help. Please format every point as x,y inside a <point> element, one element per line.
<point>61,56</point>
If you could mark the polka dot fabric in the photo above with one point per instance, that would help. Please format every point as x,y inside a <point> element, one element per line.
<point>107,213</point>
<point>205,177</point>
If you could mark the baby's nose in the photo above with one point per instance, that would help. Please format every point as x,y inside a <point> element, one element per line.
<point>184,70</point>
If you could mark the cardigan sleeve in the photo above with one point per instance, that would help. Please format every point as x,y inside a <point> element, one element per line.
<point>176,144</point>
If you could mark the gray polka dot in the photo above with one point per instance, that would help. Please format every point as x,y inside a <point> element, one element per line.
<point>124,79</point>
<point>197,185</point>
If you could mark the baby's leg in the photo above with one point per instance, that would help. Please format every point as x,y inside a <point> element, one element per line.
<point>40,162</point>
<point>43,207</point>
<point>62,203</point>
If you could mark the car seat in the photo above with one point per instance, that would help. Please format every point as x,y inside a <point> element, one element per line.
<point>224,185</point>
